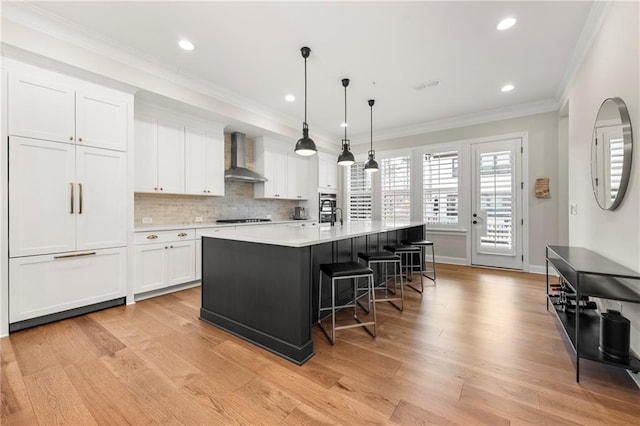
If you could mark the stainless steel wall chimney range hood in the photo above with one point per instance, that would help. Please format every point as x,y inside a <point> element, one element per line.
<point>238,170</point>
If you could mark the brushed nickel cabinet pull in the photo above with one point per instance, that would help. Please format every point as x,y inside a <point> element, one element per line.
<point>70,138</point>
<point>182,234</point>
<point>72,200</point>
<point>66,256</point>
<point>80,139</point>
<point>152,237</point>
<point>80,192</point>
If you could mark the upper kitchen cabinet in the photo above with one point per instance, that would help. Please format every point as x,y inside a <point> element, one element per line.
<point>204,162</point>
<point>49,106</point>
<point>159,156</point>
<point>287,173</point>
<point>327,173</point>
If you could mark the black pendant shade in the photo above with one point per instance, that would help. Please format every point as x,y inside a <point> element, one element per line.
<point>346,157</point>
<point>305,145</point>
<point>371,165</point>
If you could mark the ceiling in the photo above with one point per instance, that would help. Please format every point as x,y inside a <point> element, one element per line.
<point>249,53</point>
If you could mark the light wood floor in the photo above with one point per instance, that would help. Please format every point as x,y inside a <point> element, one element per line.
<point>479,348</point>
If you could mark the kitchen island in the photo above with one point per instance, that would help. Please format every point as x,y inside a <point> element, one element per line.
<point>262,285</point>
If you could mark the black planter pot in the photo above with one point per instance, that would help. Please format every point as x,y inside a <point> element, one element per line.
<point>614,334</point>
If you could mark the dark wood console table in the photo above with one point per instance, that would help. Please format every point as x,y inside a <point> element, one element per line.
<point>590,274</point>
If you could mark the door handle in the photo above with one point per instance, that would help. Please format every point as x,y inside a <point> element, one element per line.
<point>72,200</point>
<point>80,193</point>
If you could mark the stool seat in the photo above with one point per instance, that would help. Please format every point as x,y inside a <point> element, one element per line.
<point>345,269</point>
<point>402,248</point>
<point>378,256</point>
<point>418,243</point>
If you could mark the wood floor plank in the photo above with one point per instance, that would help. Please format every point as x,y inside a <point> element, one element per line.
<point>55,400</point>
<point>479,347</point>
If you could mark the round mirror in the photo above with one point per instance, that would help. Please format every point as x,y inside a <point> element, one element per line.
<point>611,153</point>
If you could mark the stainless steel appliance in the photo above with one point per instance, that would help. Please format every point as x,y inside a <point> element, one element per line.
<point>251,220</point>
<point>300,213</point>
<point>327,207</point>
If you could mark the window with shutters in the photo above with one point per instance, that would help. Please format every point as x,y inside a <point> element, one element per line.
<point>396,188</point>
<point>616,157</point>
<point>440,180</point>
<point>359,193</point>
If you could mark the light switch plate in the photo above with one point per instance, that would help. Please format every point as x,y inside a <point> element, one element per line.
<point>198,219</point>
<point>268,216</point>
<point>573,208</point>
<point>147,220</point>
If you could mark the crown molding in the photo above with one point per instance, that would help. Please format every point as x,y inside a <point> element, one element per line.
<point>488,116</point>
<point>590,30</point>
<point>54,26</point>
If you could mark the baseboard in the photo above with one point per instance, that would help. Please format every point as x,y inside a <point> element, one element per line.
<point>167,290</point>
<point>635,378</point>
<point>450,260</point>
<point>541,269</point>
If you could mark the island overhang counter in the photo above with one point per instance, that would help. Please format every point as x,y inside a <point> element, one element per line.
<point>262,285</point>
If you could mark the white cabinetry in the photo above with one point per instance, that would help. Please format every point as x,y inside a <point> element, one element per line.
<point>42,285</point>
<point>287,173</point>
<point>49,106</point>
<point>327,172</point>
<point>67,193</point>
<point>164,259</point>
<point>159,156</point>
<point>64,197</point>
<point>204,161</point>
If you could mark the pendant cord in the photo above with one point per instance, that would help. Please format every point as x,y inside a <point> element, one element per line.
<point>305,92</point>
<point>371,127</point>
<point>345,113</point>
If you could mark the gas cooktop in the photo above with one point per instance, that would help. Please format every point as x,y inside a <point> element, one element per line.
<point>242,220</point>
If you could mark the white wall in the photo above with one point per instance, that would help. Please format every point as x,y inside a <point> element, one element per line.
<point>543,219</point>
<point>610,69</point>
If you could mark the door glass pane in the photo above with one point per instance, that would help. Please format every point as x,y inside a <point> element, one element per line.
<point>496,199</point>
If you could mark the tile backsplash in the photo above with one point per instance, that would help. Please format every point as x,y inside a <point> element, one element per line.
<point>238,202</point>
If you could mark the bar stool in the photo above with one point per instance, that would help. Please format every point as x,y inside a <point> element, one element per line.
<point>407,253</point>
<point>345,271</point>
<point>384,259</point>
<point>423,244</point>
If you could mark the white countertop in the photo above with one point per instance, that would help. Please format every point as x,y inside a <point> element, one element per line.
<point>154,228</point>
<point>302,236</point>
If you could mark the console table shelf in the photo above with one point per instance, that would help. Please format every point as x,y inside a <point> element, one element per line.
<point>590,274</point>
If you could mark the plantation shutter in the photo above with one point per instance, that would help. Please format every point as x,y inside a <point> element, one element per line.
<point>396,188</point>
<point>359,193</point>
<point>440,185</point>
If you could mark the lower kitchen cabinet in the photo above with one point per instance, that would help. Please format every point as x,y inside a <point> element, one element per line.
<point>169,262</point>
<point>47,284</point>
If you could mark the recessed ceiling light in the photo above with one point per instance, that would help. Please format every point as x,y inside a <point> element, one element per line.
<point>506,23</point>
<point>186,45</point>
<point>343,125</point>
<point>507,87</point>
<point>289,98</point>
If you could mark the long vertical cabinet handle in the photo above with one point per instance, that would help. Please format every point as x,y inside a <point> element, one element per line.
<point>80,193</point>
<point>72,200</point>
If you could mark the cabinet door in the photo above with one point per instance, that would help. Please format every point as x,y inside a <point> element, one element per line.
<point>297,177</point>
<point>196,162</point>
<point>101,119</point>
<point>101,185</point>
<point>215,164</point>
<point>150,267</point>
<point>42,285</point>
<point>42,208</point>
<point>170,157</point>
<point>327,172</point>
<point>145,153</point>
<point>41,108</point>
<point>275,168</point>
<point>198,271</point>
<point>181,262</point>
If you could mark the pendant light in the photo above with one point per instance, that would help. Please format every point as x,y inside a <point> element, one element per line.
<point>371,165</point>
<point>305,145</point>
<point>346,157</point>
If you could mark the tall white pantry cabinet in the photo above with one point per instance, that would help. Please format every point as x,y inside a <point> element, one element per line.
<point>67,195</point>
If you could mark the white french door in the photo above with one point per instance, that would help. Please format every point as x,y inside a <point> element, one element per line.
<point>496,209</point>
